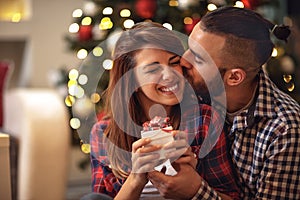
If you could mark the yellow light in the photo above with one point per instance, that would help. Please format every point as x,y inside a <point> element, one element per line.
<point>79,92</point>
<point>76,90</point>
<point>74,28</point>
<point>125,13</point>
<point>71,83</point>
<point>97,51</point>
<point>75,123</point>
<point>211,7</point>
<point>173,3</point>
<point>73,74</point>
<point>82,54</point>
<point>239,4</point>
<point>69,100</point>
<point>77,13</point>
<point>86,148</point>
<point>16,17</point>
<point>188,20</point>
<point>291,87</point>
<point>105,23</point>
<point>83,79</point>
<point>107,64</point>
<point>15,10</point>
<point>95,97</point>
<point>72,90</point>
<point>107,11</point>
<point>287,78</point>
<point>168,26</point>
<point>128,23</point>
<point>86,21</point>
<point>274,52</point>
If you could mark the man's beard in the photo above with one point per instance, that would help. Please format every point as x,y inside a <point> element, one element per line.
<point>205,93</point>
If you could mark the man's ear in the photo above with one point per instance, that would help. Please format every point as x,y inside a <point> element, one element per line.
<point>234,77</point>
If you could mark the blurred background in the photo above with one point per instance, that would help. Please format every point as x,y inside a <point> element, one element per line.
<point>54,64</point>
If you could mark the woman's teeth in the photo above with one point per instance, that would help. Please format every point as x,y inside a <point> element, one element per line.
<point>170,89</point>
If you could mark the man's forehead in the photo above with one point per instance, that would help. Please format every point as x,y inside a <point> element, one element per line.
<point>193,36</point>
<point>197,49</point>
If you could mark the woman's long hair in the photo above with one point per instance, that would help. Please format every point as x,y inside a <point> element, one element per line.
<point>123,108</point>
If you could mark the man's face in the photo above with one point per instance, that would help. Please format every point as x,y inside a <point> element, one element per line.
<point>203,60</point>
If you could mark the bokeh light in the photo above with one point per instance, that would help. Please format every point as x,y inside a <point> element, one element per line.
<point>77,13</point>
<point>107,64</point>
<point>74,28</point>
<point>82,54</point>
<point>82,79</point>
<point>75,123</point>
<point>73,74</point>
<point>95,97</point>
<point>69,101</point>
<point>97,51</point>
<point>128,23</point>
<point>107,11</point>
<point>125,13</point>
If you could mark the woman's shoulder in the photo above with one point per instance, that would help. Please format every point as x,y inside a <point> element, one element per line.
<point>100,125</point>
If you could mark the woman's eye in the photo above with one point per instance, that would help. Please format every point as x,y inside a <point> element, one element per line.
<point>153,70</point>
<point>175,62</point>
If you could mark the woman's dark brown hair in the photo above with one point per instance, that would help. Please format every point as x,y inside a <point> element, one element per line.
<point>122,104</point>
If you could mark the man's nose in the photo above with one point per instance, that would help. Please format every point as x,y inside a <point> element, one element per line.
<point>184,61</point>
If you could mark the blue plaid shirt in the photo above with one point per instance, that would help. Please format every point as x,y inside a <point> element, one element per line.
<point>266,147</point>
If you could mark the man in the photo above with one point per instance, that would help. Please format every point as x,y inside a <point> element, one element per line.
<point>264,123</point>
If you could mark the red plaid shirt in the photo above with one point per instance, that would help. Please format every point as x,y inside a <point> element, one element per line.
<point>214,163</point>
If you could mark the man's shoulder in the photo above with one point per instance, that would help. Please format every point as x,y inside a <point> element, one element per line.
<point>282,112</point>
<point>272,99</point>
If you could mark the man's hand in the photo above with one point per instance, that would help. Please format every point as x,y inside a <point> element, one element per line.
<point>184,185</point>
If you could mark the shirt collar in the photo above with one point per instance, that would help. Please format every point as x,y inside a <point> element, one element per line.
<point>263,106</point>
<point>265,103</point>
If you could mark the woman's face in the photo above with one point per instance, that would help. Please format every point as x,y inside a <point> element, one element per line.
<point>159,76</point>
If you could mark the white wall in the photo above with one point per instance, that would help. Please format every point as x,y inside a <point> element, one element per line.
<point>46,48</point>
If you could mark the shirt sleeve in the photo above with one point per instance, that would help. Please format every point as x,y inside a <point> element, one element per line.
<point>103,179</point>
<point>214,162</point>
<point>206,192</point>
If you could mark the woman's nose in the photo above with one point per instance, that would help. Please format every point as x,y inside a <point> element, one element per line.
<point>168,73</point>
<point>184,61</point>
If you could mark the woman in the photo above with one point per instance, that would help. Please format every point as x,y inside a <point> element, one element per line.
<point>145,81</point>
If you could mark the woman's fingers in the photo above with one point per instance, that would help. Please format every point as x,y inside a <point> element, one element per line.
<point>140,143</point>
<point>178,147</point>
<point>144,155</point>
<point>144,162</point>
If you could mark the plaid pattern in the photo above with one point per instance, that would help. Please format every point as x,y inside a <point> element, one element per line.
<point>266,147</point>
<point>103,180</point>
<point>214,164</point>
<point>206,192</point>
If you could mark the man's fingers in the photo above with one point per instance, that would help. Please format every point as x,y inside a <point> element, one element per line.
<point>157,177</point>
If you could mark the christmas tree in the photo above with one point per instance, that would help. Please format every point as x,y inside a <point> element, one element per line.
<point>95,28</point>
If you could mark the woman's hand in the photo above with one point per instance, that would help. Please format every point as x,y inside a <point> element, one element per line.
<point>144,158</point>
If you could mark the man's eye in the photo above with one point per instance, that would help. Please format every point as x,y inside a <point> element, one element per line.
<point>198,60</point>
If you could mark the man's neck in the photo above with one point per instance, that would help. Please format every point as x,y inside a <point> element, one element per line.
<point>239,97</point>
